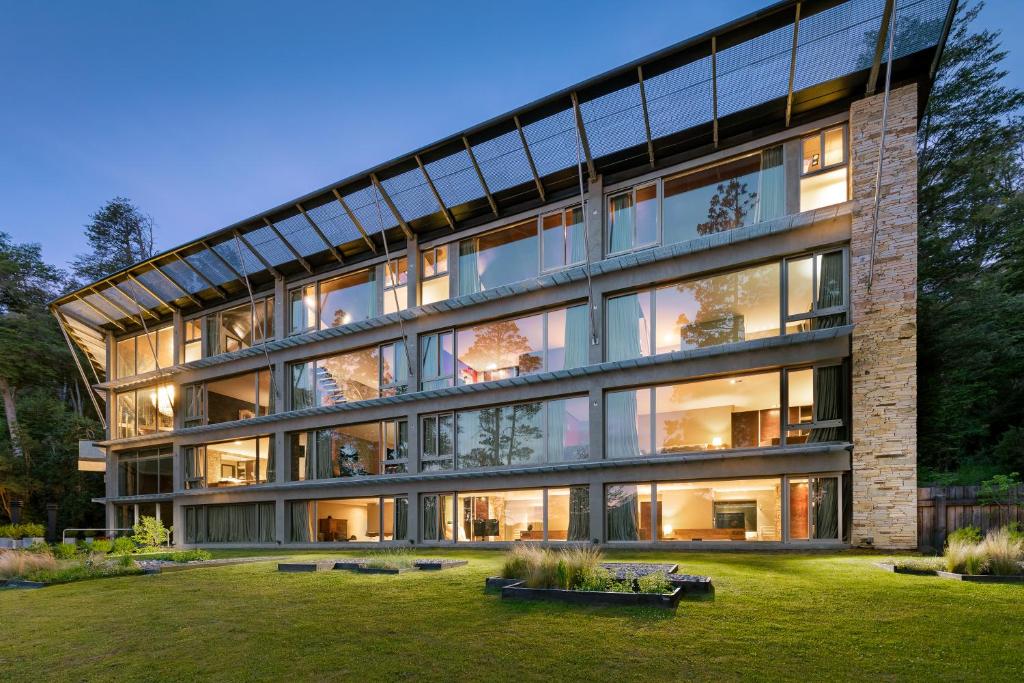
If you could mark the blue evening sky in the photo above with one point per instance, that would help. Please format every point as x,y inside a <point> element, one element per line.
<point>204,113</point>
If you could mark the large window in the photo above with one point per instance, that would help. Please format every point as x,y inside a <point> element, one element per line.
<point>230,463</point>
<point>338,301</point>
<point>521,251</point>
<point>396,285</point>
<point>814,505</point>
<point>145,472</point>
<point>232,329</point>
<point>521,434</point>
<point>734,510</point>
<point>823,174</point>
<point>354,376</point>
<point>434,285</point>
<point>240,397</point>
<point>557,514</point>
<point>731,412</point>
<point>350,450</point>
<point>726,196</point>
<point>145,411</point>
<point>145,352</point>
<point>345,520</point>
<point>233,523</point>
<point>549,341</point>
<point>730,307</point>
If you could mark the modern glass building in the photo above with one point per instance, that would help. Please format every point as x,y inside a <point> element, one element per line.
<point>671,305</point>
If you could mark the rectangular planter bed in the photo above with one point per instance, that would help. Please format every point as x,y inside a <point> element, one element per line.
<point>692,584</point>
<point>435,565</point>
<point>499,582</point>
<point>305,566</point>
<point>384,570</point>
<point>18,583</point>
<point>667,600</point>
<point>886,566</point>
<point>350,565</point>
<point>981,578</point>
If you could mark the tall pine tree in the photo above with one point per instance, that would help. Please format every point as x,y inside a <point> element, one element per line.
<point>971,312</point>
<point>119,234</point>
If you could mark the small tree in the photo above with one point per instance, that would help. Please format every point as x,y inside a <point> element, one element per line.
<point>1000,490</point>
<point>150,532</point>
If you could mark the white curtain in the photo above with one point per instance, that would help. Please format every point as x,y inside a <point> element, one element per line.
<point>577,239</point>
<point>623,439</point>
<point>625,319</point>
<point>621,222</point>
<point>469,272</point>
<point>772,194</point>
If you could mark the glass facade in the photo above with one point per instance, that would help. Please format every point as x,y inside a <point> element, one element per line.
<point>501,436</point>
<point>145,472</point>
<point>743,411</point>
<point>354,376</point>
<point>144,353</point>
<point>731,510</point>
<point>553,514</point>
<point>230,463</point>
<point>348,520</point>
<point>241,397</point>
<point>366,448</point>
<point>145,411</point>
<point>231,523</point>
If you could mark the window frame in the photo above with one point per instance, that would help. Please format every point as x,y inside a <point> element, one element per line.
<point>136,411</point>
<point>787,522</point>
<point>658,184</point>
<point>454,415</point>
<point>201,397</point>
<point>156,453</point>
<point>564,212</point>
<point>784,426</point>
<point>815,312</point>
<point>390,289</point>
<point>312,363</point>
<point>261,461</point>
<point>313,325</point>
<point>820,134</point>
<point>155,334</point>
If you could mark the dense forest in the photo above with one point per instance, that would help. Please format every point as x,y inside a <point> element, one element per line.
<point>971,314</point>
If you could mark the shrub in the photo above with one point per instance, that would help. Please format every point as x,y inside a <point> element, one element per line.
<point>518,561</point>
<point>1003,551</point>
<point>595,579</point>
<point>976,562</point>
<point>125,561</point>
<point>389,558</point>
<point>123,545</point>
<point>102,545</point>
<point>1016,531</point>
<point>623,585</point>
<point>6,531</point>
<point>191,555</point>
<point>544,572</point>
<point>150,533</point>
<point>18,564</point>
<point>578,561</point>
<point>968,534</point>
<point>32,530</point>
<point>64,551</point>
<point>654,583</point>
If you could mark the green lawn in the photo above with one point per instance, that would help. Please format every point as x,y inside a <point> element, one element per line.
<point>774,616</point>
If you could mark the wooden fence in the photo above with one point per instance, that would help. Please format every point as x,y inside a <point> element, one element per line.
<point>942,509</point>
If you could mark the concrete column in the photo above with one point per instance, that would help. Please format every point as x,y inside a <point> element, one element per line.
<point>596,398</point>
<point>280,519</point>
<point>597,511</point>
<point>414,518</point>
<point>280,332</point>
<point>884,344</point>
<point>595,251</point>
<point>792,158</point>
<point>453,269</point>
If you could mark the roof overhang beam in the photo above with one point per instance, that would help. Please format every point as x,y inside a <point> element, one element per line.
<point>294,252</point>
<point>529,159</point>
<point>355,220</point>
<point>394,209</point>
<point>437,195</point>
<point>147,290</point>
<point>101,312</point>
<point>647,118</point>
<point>259,257</point>
<point>591,168</point>
<point>883,33</point>
<point>209,283</point>
<point>480,176</point>
<point>792,66</point>
<point>319,233</point>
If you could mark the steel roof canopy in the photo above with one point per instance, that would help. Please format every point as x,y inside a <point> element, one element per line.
<point>786,62</point>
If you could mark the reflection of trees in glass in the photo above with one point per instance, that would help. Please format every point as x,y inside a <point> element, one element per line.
<point>354,374</point>
<point>729,206</point>
<point>347,460</point>
<point>341,317</point>
<point>495,341</point>
<point>721,302</point>
<point>675,438</point>
<point>500,436</point>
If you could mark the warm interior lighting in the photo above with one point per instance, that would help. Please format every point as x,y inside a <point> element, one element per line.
<point>823,189</point>
<point>666,529</point>
<point>716,442</point>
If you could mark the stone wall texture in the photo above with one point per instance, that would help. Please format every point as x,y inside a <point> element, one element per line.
<point>885,317</point>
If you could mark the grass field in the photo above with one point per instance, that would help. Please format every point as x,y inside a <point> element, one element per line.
<point>774,617</point>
